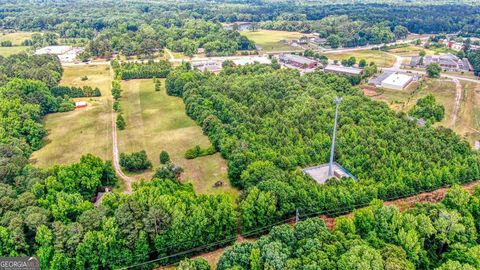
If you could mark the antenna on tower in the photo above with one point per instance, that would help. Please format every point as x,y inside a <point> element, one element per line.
<point>332,150</point>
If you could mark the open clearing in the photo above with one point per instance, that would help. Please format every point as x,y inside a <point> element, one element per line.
<point>468,122</point>
<point>443,90</point>
<point>382,59</point>
<point>156,122</point>
<point>7,51</point>
<point>271,40</point>
<point>82,131</point>
<point>16,37</point>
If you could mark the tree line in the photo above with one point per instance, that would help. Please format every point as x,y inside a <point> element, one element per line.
<point>135,70</point>
<point>436,236</point>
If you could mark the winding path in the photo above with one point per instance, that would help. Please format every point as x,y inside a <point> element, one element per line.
<point>116,158</point>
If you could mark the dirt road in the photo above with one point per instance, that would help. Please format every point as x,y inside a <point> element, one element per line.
<point>458,99</point>
<point>116,158</point>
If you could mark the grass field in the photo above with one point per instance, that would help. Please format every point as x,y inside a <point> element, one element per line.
<point>7,51</point>
<point>271,40</point>
<point>16,37</point>
<point>443,90</point>
<point>156,122</point>
<point>468,123</point>
<point>410,50</point>
<point>380,58</point>
<point>82,131</point>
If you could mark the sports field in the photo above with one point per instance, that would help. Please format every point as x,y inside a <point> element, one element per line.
<point>82,131</point>
<point>382,59</point>
<point>271,40</point>
<point>156,122</point>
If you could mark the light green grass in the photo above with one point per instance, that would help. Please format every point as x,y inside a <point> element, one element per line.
<point>380,58</point>
<point>403,100</point>
<point>468,123</point>
<point>7,51</point>
<point>156,122</point>
<point>16,37</point>
<point>271,40</point>
<point>410,50</point>
<point>82,131</point>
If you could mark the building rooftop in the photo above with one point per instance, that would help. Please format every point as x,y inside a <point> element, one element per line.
<point>54,50</point>
<point>397,79</point>
<point>377,81</point>
<point>297,58</point>
<point>251,60</point>
<point>342,69</point>
<point>320,173</point>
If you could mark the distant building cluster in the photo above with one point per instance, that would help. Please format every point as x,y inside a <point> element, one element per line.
<point>215,64</point>
<point>212,66</point>
<point>318,41</point>
<point>64,53</point>
<point>448,62</point>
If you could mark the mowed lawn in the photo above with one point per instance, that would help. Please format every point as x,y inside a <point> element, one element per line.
<point>380,58</point>
<point>82,131</point>
<point>156,122</point>
<point>271,40</point>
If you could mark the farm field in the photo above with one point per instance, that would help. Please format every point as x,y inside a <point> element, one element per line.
<point>271,40</point>
<point>443,90</point>
<point>156,122</point>
<point>382,59</point>
<point>16,37</point>
<point>82,131</point>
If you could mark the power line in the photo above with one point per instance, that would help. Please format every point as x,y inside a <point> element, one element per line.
<point>330,212</point>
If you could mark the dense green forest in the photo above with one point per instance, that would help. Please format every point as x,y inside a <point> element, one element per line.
<point>442,236</point>
<point>341,30</point>
<point>267,123</point>
<point>144,28</point>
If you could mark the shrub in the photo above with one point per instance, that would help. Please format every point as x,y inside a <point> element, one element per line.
<point>66,106</point>
<point>84,78</point>
<point>168,171</point>
<point>116,106</point>
<point>136,161</point>
<point>120,122</point>
<point>197,151</point>
<point>164,157</point>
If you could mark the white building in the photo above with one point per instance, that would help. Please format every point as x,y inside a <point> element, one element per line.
<point>64,53</point>
<point>396,81</point>
<point>251,60</point>
<point>351,71</point>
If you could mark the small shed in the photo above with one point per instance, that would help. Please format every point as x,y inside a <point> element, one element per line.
<point>80,104</point>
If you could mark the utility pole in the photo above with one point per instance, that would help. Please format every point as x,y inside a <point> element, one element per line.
<point>330,167</point>
<point>297,216</point>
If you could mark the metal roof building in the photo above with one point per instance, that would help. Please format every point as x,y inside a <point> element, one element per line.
<point>343,70</point>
